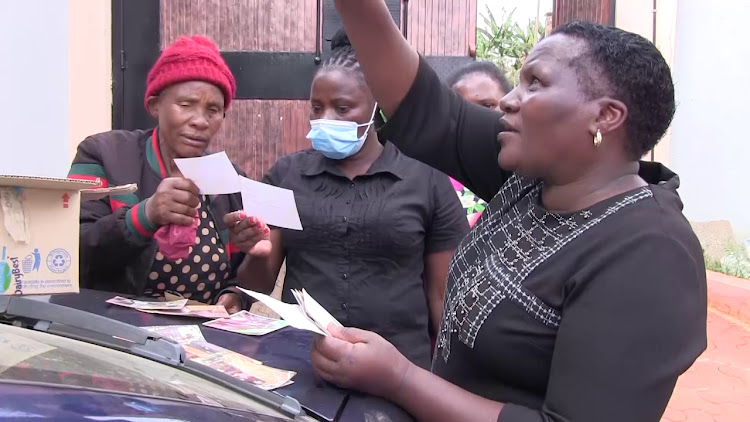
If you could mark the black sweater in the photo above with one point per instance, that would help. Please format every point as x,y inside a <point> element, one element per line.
<point>117,246</point>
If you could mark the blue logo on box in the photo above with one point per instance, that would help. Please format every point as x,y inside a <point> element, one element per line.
<point>58,260</point>
<point>32,261</point>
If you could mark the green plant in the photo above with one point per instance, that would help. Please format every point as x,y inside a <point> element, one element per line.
<point>735,261</point>
<point>505,42</point>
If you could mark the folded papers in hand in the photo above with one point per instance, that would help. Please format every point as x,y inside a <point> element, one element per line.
<point>306,315</point>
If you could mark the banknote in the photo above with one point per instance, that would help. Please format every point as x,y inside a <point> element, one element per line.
<point>247,323</point>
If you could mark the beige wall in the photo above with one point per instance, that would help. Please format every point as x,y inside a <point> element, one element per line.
<point>90,69</point>
<point>637,16</point>
<point>666,29</point>
<point>34,71</point>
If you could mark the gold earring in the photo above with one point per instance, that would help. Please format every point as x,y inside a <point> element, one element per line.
<point>598,138</point>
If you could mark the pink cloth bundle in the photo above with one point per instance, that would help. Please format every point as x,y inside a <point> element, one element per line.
<point>175,241</point>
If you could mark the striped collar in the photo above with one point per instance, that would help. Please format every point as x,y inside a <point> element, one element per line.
<point>153,154</point>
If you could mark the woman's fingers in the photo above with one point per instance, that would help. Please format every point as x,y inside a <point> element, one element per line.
<point>180,219</point>
<point>230,301</point>
<point>183,209</point>
<point>185,197</point>
<point>326,367</point>
<point>247,235</point>
<point>238,221</point>
<point>332,348</point>
<point>232,218</point>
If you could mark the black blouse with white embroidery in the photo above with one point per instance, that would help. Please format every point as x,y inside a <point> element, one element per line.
<point>587,316</point>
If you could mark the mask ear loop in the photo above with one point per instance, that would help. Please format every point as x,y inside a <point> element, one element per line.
<point>369,125</point>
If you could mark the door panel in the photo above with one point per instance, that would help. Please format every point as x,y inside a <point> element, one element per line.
<point>273,48</point>
<point>599,11</point>
<point>244,25</point>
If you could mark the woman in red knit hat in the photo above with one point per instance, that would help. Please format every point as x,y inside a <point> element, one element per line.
<point>188,91</point>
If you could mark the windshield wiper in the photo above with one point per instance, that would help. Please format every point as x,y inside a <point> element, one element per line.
<point>39,313</point>
<point>81,325</point>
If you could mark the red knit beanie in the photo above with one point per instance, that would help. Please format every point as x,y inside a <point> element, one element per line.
<point>193,58</point>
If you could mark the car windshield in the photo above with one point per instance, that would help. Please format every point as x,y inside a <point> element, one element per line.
<point>31,356</point>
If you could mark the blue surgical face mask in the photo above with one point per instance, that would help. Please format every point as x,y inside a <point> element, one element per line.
<point>337,139</point>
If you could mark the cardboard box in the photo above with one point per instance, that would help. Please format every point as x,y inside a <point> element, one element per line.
<point>39,232</point>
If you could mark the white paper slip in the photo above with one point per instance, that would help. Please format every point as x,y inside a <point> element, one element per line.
<point>293,314</point>
<point>275,206</point>
<point>316,312</point>
<point>213,174</point>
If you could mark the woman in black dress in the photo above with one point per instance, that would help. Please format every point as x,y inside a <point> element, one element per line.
<point>580,295</point>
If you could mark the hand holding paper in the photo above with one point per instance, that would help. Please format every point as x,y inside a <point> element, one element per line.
<point>175,201</point>
<point>308,315</point>
<point>313,309</point>
<point>276,206</point>
<point>215,175</point>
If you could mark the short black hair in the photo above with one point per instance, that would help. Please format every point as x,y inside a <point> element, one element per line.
<point>629,68</point>
<point>482,67</point>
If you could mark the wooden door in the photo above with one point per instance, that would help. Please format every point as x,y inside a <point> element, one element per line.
<point>599,11</point>
<point>273,47</point>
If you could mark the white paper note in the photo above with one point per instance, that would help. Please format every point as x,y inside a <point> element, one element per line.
<point>293,314</point>
<point>213,174</point>
<point>275,206</point>
<point>317,312</point>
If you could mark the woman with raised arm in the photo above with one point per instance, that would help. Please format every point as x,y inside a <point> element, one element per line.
<point>379,227</point>
<point>580,295</point>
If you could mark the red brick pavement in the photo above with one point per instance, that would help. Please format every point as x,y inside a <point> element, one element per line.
<point>717,387</point>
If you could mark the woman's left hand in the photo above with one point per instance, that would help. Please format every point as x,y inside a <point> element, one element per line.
<point>360,360</point>
<point>231,302</point>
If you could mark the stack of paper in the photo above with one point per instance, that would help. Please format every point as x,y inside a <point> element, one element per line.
<point>239,366</point>
<point>172,307</point>
<point>306,315</point>
<point>215,175</point>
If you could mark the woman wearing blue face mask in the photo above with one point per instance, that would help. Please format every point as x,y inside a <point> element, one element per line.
<point>379,227</point>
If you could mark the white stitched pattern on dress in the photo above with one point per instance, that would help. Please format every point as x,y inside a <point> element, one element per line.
<point>511,239</point>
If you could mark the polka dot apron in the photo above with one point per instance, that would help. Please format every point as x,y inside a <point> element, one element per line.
<point>199,276</point>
